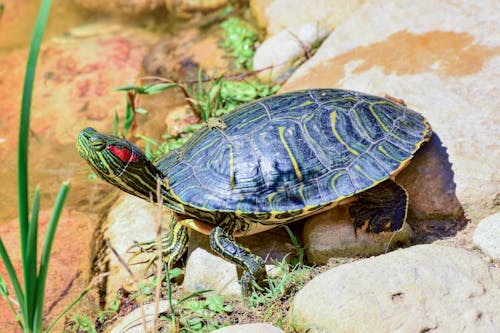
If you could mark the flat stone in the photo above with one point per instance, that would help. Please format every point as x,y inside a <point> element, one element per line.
<point>135,321</point>
<point>487,236</point>
<point>444,66</point>
<point>249,328</point>
<point>331,234</point>
<point>419,289</point>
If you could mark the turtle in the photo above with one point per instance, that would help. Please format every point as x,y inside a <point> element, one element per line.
<point>270,162</point>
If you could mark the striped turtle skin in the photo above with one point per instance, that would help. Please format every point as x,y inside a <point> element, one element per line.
<point>272,161</point>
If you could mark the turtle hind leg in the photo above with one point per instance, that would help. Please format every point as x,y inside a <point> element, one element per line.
<point>381,208</point>
<point>254,271</point>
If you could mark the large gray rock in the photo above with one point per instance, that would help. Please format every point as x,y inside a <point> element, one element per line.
<point>419,289</point>
<point>447,66</point>
<point>487,236</point>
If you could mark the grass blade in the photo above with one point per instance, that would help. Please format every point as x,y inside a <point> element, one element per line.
<point>47,246</point>
<point>13,279</point>
<point>22,154</point>
<point>31,268</point>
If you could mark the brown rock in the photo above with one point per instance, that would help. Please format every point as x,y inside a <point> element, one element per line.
<point>179,57</point>
<point>331,234</point>
<point>118,7</point>
<point>74,88</point>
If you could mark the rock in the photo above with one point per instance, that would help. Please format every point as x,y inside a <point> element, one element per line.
<point>207,270</point>
<point>487,236</point>
<point>130,220</point>
<point>280,15</point>
<point>444,66</point>
<point>280,54</point>
<point>430,169</point>
<point>133,322</point>
<point>181,55</point>
<point>69,266</point>
<point>419,289</point>
<point>183,7</point>
<point>331,234</point>
<point>249,328</point>
<point>119,7</point>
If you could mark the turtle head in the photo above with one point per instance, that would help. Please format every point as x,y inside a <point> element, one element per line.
<point>120,163</point>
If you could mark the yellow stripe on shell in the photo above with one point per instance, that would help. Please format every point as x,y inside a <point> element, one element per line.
<point>333,120</point>
<point>281,131</point>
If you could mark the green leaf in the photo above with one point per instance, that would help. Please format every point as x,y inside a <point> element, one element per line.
<point>127,87</point>
<point>157,88</point>
<point>116,123</point>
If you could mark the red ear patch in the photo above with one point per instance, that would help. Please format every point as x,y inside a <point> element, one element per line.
<point>124,154</point>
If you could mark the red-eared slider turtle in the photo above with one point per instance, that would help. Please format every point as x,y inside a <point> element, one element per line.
<point>273,161</point>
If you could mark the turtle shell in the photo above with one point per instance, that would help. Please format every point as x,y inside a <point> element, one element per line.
<point>292,153</point>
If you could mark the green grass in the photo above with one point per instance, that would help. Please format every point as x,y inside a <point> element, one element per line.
<point>240,39</point>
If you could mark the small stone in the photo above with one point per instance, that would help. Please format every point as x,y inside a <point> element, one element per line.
<point>487,236</point>
<point>207,270</point>
<point>331,234</point>
<point>279,15</point>
<point>134,323</point>
<point>279,55</point>
<point>419,289</point>
<point>249,328</point>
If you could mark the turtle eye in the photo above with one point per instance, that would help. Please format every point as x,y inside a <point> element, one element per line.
<point>97,144</point>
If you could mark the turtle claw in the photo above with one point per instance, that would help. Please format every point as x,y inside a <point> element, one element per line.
<point>250,283</point>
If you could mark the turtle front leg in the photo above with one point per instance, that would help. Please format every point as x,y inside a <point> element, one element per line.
<point>173,243</point>
<point>254,270</point>
<point>382,208</point>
